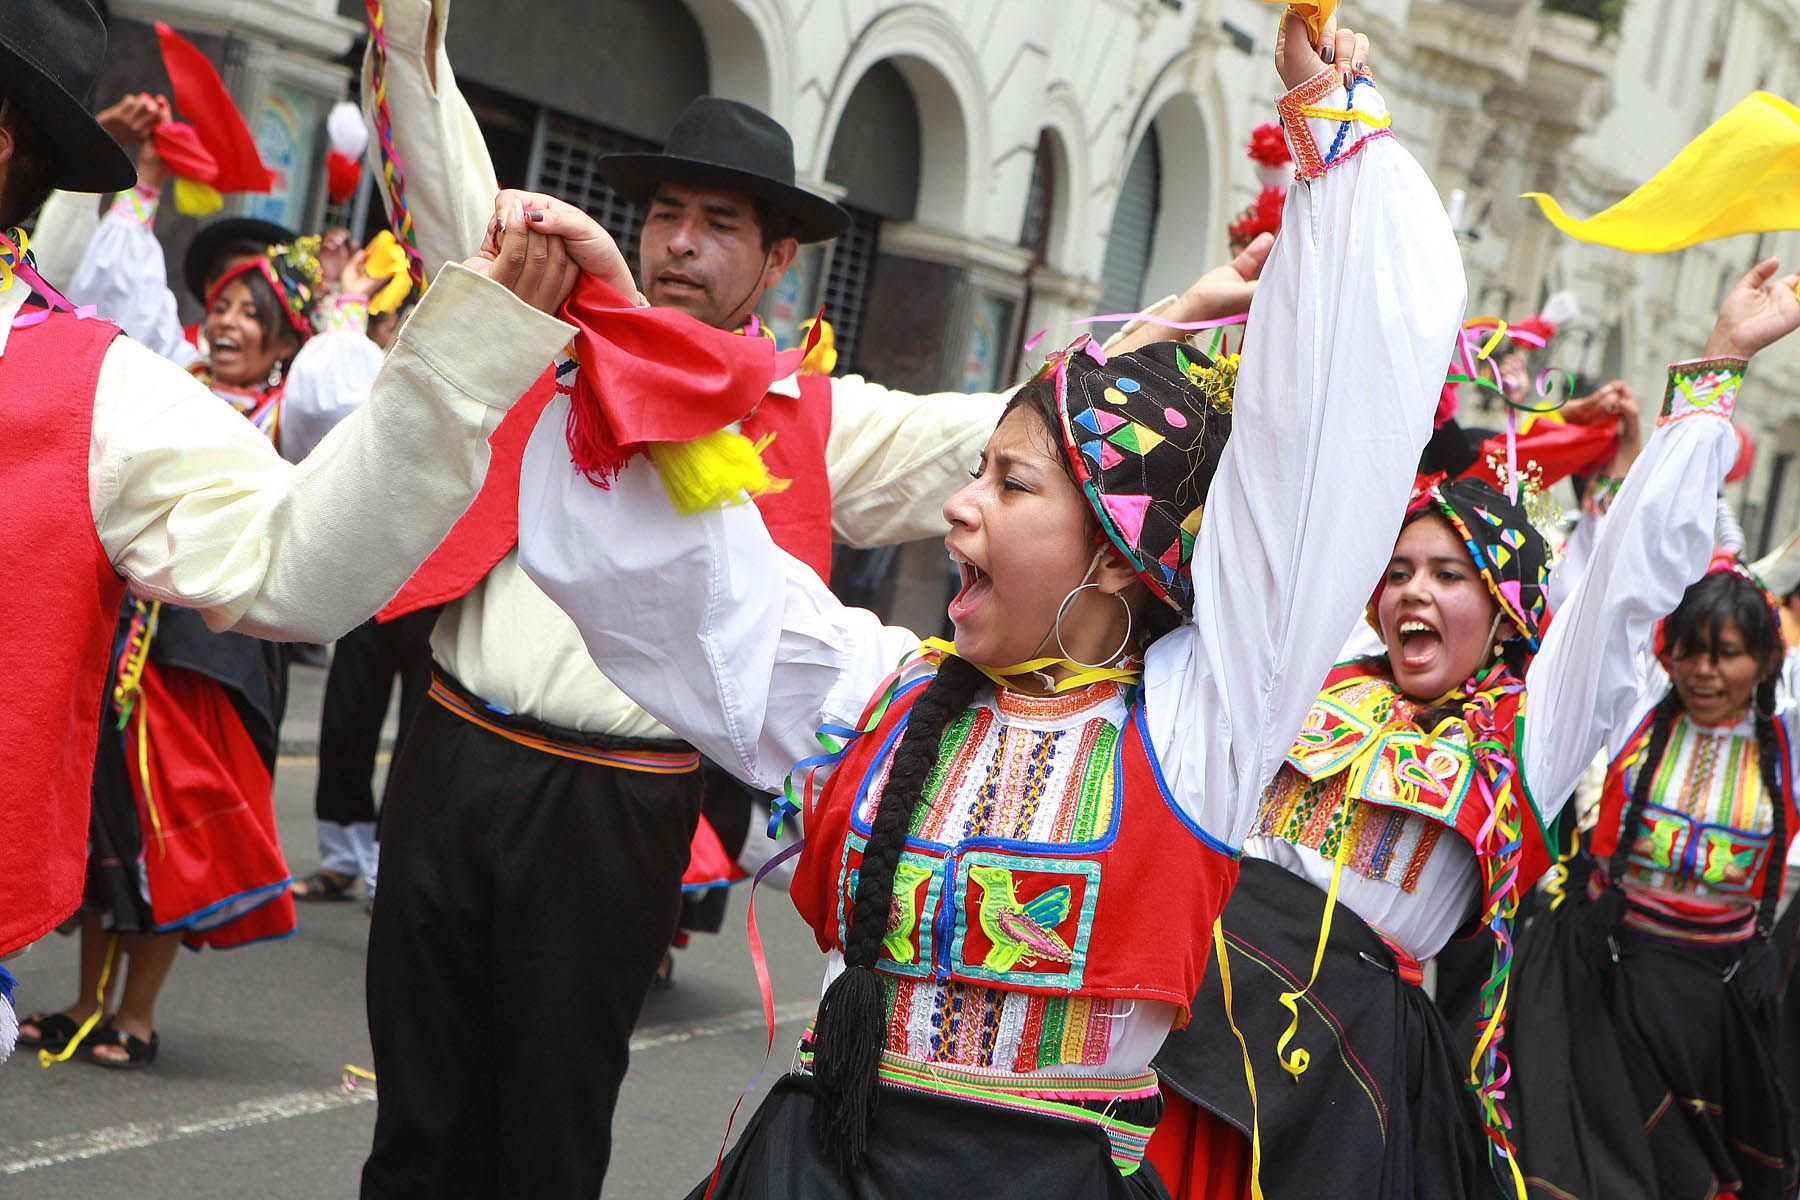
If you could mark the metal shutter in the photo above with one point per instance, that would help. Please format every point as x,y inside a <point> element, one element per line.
<point>1133,227</point>
<point>563,159</point>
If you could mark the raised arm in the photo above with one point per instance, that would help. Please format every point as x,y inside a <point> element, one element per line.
<point>1654,542</point>
<point>1355,315</point>
<point>124,277</point>
<point>702,620</point>
<point>450,181</point>
<point>194,507</point>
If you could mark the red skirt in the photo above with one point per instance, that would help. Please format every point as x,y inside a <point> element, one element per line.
<point>212,858</point>
<point>1199,1156</point>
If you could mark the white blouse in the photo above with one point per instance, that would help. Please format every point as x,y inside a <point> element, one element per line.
<point>1583,688</point>
<point>742,651</point>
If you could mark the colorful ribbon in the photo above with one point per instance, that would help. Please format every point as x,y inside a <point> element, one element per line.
<point>1150,318</point>
<point>393,173</point>
<point>46,1059</point>
<point>766,988</point>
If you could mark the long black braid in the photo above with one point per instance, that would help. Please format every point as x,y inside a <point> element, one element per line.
<point>852,1015</point>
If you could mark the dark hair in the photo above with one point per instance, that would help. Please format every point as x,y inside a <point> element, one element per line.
<point>1694,628</point>
<point>849,1031</point>
<point>28,172</point>
<point>774,222</point>
<point>269,312</point>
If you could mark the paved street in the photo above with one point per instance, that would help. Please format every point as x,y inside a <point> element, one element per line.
<point>245,1099</point>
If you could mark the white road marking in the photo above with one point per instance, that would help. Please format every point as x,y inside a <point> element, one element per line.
<point>95,1143</point>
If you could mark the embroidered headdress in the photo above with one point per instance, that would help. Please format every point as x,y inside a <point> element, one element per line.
<point>1508,552</point>
<point>294,272</point>
<point>1144,432</point>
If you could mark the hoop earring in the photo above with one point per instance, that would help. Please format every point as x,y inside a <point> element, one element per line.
<point>1056,629</point>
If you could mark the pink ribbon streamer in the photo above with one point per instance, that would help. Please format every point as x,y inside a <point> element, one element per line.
<point>1152,318</point>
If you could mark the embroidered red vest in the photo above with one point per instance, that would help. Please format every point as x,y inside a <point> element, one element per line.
<point>52,668</point>
<point>1368,747</point>
<point>1730,862</point>
<point>1128,914</point>
<point>798,517</point>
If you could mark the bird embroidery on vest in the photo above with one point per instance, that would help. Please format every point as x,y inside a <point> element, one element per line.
<point>1020,932</point>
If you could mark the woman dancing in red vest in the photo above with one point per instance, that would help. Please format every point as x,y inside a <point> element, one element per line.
<point>1015,866</point>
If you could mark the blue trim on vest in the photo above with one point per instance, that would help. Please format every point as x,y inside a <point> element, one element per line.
<point>1162,786</point>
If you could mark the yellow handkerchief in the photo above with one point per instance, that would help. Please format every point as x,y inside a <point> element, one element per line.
<point>1314,12</point>
<point>1741,175</point>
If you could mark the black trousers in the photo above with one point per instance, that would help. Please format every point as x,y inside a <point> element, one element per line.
<point>357,688</point>
<point>526,901</point>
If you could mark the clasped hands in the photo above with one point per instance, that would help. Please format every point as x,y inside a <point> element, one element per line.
<point>538,246</point>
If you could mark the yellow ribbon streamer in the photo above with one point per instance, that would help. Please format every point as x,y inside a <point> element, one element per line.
<point>1080,677</point>
<point>1295,1064</point>
<point>1219,956</point>
<point>1741,175</point>
<point>45,1058</point>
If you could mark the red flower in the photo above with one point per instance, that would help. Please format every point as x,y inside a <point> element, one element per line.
<point>1262,216</point>
<point>1267,145</point>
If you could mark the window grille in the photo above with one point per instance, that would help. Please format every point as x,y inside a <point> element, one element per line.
<point>564,164</point>
<point>847,281</point>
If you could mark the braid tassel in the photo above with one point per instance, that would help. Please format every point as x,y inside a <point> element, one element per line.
<point>393,174</point>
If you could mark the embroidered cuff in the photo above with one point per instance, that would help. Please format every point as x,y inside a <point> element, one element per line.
<point>1706,386</point>
<point>1326,125</point>
<point>138,205</point>
<point>350,312</point>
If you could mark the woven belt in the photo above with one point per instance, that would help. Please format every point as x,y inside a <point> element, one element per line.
<point>650,762</point>
<point>1083,1098</point>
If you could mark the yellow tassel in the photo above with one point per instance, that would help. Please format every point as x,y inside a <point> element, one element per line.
<point>713,471</point>
<point>196,199</point>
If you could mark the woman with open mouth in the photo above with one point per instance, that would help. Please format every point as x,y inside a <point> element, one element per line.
<point>1015,864</point>
<point>1646,1051</point>
<point>1411,807</point>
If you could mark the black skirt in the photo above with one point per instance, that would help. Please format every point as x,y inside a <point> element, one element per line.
<point>1652,1076</point>
<point>925,1145</point>
<point>1381,1110</point>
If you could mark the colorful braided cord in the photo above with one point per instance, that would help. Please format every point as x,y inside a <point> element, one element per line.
<point>393,174</point>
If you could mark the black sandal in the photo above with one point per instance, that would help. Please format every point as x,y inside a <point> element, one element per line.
<point>138,1052</point>
<point>324,885</point>
<point>54,1031</point>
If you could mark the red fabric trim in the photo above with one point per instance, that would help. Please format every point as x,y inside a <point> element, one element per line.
<point>201,98</point>
<point>1198,1155</point>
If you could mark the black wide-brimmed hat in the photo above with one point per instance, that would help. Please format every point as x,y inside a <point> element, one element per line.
<point>731,146</point>
<point>50,53</point>
<point>216,235</point>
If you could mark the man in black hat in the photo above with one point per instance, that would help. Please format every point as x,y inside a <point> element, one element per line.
<point>120,469</point>
<point>537,823</point>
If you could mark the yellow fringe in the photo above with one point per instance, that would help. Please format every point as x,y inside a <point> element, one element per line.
<point>196,199</point>
<point>713,471</point>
